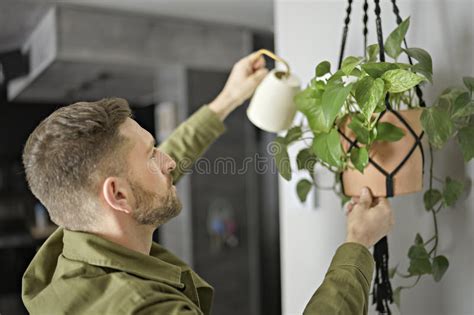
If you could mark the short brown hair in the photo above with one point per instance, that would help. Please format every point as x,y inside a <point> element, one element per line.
<point>70,152</point>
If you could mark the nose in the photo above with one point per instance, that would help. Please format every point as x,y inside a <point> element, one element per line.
<point>170,165</point>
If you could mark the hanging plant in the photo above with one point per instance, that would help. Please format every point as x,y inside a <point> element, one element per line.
<point>365,121</point>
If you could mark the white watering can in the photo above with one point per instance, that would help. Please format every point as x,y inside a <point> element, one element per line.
<point>272,107</point>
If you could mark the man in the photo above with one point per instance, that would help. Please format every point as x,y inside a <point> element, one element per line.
<point>108,187</point>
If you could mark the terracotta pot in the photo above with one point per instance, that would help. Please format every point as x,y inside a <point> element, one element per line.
<point>388,155</point>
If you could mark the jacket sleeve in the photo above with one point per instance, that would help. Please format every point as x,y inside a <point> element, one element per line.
<point>191,139</point>
<point>345,289</point>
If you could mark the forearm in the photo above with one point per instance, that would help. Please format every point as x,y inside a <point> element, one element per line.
<point>345,288</point>
<point>223,105</point>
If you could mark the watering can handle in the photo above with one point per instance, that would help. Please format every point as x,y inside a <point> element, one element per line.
<point>276,58</point>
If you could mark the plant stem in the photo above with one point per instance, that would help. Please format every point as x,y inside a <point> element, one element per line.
<point>435,222</point>
<point>402,275</point>
<point>430,240</point>
<point>438,179</point>
<point>431,166</point>
<point>433,212</point>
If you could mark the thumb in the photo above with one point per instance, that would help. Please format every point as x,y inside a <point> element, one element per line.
<point>253,57</point>
<point>365,198</point>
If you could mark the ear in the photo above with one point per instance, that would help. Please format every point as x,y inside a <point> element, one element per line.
<point>117,194</point>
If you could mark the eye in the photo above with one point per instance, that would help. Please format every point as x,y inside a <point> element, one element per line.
<point>153,155</point>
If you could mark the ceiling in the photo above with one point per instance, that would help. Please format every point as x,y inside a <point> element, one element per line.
<point>19,17</point>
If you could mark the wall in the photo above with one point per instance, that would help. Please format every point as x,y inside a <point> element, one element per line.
<point>309,31</point>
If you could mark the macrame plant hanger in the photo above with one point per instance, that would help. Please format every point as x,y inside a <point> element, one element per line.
<point>382,290</point>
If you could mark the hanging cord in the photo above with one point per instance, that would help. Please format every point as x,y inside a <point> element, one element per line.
<point>365,31</point>
<point>347,20</point>
<point>382,291</point>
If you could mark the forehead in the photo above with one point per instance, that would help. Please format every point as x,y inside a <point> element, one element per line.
<point>139,137</point>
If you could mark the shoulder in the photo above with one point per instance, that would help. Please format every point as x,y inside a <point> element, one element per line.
<point>86,289</point>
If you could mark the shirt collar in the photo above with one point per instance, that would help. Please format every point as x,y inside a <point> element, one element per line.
<point>95,250</point>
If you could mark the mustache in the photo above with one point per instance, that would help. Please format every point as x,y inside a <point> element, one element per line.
<point>170,181</point>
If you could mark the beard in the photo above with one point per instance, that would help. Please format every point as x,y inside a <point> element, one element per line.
<point>152,208</point>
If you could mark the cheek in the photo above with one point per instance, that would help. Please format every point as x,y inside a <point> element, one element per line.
<point>154,173</point>
<point>153,167</point>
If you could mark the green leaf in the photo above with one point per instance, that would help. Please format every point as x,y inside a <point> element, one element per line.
<point>349,64</point>
<point>463,106</point>
<point>360,158</point>
<point>336,78</point>
<point>293,134</point>
<point>377,69</point>
<point>305,159</point>
<point>282,160</point>
<point>431,198</point>
<point>419,260</point>
<point>388,132</point>
<point>469,83</point>
<point>397,296</point>
<point>425,64</point>
<point>450,95</point>
<point>418,252</point>
<point>322,68</point>
<point>437,126</point>
<point>392,272</point>
<point>440,265</point>
<point>465,139</point>
<point>402,65</point>
<point>308,101</point>
<point>356,72</point>
<point>344,199</point>
<point>452,190</point>
<point>373,52</point>
<point>368,94</point>
<point>318,86</point>
<point>303,188</point>
<point>361,132</point>
<point>333,98</point>
<point>418,239</point>
<point>393,44</point>
<point>401,80</point>
<point>327,147</point>
<point>420,267</point>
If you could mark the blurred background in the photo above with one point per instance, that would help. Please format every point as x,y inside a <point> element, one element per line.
<point>246,234</point>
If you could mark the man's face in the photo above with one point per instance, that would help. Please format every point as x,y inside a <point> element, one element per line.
<point>149,176</point>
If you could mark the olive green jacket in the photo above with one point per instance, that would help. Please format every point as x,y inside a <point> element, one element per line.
<point>81,273</point>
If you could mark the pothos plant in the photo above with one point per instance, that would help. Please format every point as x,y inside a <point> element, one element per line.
<point>358,91</point>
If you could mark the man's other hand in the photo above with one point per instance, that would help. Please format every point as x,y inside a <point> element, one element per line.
<point>244,78</point>
<point>368,219</point>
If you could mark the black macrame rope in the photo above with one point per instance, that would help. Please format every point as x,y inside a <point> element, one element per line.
<point>347,20</point>
<point>365,30</point>
<point>382,290</point>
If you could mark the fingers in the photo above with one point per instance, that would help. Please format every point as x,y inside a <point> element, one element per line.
<point>348,207</point>
<point>253,57</point>
<point>383,202</point>
<point>365,199</point>
<point>259,63</point>
<point>259,75</point>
